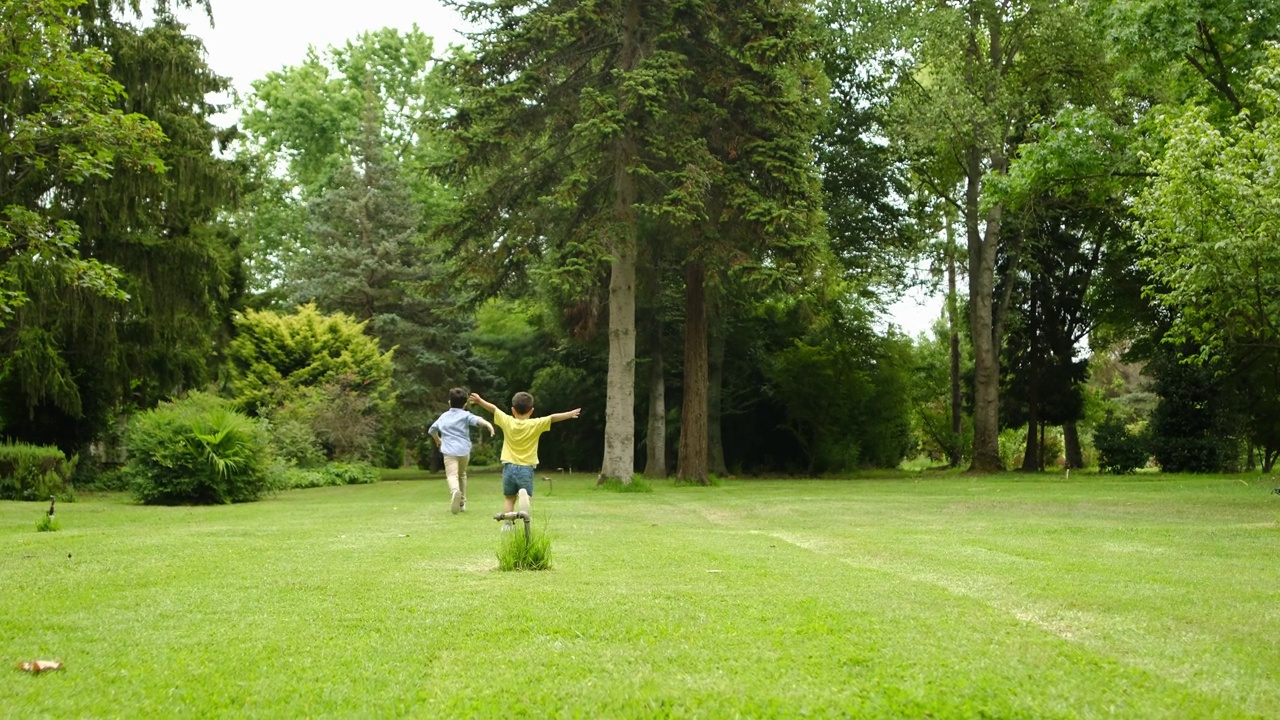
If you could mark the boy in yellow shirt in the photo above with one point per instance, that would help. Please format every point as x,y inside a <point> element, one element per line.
<point>520,435</point>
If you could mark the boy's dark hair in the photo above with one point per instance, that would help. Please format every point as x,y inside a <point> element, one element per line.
<point>522,402</point>
<point>457,398</point>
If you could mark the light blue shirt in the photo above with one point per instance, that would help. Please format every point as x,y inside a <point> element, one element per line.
<point>454,429</point>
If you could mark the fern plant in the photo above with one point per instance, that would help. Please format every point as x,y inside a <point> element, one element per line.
<point>199,451</point>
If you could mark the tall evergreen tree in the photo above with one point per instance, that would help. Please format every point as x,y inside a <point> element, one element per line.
<point>178,269</point>
<point>367,259</point>
<point>756,102</point>
<point>562,150</point>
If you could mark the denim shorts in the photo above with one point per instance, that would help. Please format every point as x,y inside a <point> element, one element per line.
<point>515,477</point>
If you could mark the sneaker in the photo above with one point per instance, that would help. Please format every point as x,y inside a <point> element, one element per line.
<point>508,526</point>
<point>455,502</point>
<point>522,501</point>
<point>462,507</point>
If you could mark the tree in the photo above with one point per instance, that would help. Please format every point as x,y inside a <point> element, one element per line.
<point>561,135</point>
<point>1189,50</point>
<point>932,394</point>
<point>976,76</point>
<point>77,357</point>
<point>755,101</point>
<point>61,126</point>
<point>1208,226</point>
<point>311,115</point>
<point>367,258</point>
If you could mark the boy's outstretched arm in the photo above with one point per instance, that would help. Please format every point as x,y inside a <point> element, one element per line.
<point>566,415</point>
<point>475,398</point>
<point>485,424</point>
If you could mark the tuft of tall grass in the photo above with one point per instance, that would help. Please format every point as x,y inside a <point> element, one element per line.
<point>517,553</point>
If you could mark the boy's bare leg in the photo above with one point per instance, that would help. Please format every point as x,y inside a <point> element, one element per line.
<point>522,500</point>
<point>508,504</point>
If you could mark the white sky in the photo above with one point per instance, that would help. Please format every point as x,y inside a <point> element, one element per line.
<point>250,38</point>
<point>253,37</point>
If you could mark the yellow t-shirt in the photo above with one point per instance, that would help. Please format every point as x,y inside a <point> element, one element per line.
<point>520,437</point>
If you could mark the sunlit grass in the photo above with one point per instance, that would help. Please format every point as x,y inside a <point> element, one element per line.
<point>887,595</point>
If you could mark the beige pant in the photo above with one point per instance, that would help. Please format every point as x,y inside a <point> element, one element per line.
<point>455,473</point>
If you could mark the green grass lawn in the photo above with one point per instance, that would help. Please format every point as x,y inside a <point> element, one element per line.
<point>918,596</point>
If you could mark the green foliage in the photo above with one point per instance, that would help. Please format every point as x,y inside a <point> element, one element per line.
<point>197,450</point>
<point>33,472</point>
<point>353,473</point>
<point>110,161</point>
<point>846,405</point>
<point>517,553</point>
<point>391,451</point>
<point>367,258</point>
<point>274,356</point>
<point>1196,426</point>
<point>334,421</point>
<point>1120,450</point>
<point>930,396</point>
<point>62,126</point>
<point>1013,443</point>
<point>1171,51</point>
<point>1209,222</point>
<point>293,435</point>
<point>330,475</point>
<point>47,523</point>
<point>310,113</point>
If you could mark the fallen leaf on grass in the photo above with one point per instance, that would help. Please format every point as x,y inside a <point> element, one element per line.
<point>39,666</point>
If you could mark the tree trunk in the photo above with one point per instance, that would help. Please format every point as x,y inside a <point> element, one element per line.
<point>1031,454</point>
<point>715,380</point>
<point>1071,445</point>
<point>982,253</point>
<point>655,465</point>
<point>953,323</point>
<point>986,361</point>
<point>692,461</point>
<point>1031,460</point>
<point>620,420</point>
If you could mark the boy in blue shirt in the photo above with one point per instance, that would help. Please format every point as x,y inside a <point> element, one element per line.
<point>452,433</point>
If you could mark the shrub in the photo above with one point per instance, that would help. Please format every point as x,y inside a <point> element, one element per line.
<point>35,472</point>
<point>197,451</point>
<point>296,478</point>
<point>292,438</point>
<point>356,473</point>
<point>1119,451</point>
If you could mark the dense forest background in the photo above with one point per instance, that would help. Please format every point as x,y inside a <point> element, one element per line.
<point>688,218</point>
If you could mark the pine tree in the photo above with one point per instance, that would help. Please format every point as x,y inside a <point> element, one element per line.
<point>367,258</point>
<point>562,151</point>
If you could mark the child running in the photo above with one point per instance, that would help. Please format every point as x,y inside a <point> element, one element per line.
<point>520,435</point>
<point>452,433</point>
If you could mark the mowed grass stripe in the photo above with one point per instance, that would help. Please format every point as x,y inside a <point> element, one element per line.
<point>879,597</point>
